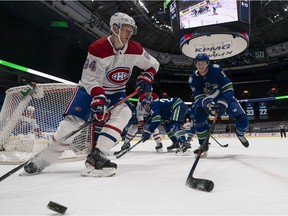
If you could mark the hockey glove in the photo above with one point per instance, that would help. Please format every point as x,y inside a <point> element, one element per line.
<point>98,107</point>
<point>221,107</point>
<point>144,82</point>
<point>146,135</point>
<point>209,105</point>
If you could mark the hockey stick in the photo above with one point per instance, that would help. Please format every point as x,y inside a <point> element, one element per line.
<point>224,146</point>
<point>126,150</point>
<point>196,183</point>
<point>118,152</point>
<point>65,137</point>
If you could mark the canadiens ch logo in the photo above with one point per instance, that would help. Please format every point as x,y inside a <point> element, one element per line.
<point>118,76</point>
<point>77,109</point>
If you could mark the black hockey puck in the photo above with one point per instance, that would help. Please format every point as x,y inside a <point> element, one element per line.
<point>56,207</point>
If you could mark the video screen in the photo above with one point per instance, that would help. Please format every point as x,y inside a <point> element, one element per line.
<point>206,12</point>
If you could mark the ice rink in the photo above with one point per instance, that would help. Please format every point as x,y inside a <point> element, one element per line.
<point>251,181</point>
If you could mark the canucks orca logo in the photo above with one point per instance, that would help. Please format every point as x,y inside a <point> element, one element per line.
<point>210,88</point>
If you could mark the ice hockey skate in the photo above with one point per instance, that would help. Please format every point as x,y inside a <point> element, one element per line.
<point>244,141</point>
<point>98,165</point>
<point>125,146</point>
<point>175,146</point>
<point>184,150</point>
<point>159,147</point>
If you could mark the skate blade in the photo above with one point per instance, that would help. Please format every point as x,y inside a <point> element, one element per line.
<point>92,172</point>
<point>186,153</point>
<point>159,150</point>
<point>24,173</point>
<point>173,150</point>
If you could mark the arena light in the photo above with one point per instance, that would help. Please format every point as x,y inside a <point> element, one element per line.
<point>133,99</point>
<point>59,24</point>
<point>281,97</point>
<point>31,71</point>
<point>143,6</point>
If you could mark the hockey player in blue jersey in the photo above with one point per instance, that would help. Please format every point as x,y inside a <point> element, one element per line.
<point>171,113</point>
<point>192,130</point>
<point>213,92</point>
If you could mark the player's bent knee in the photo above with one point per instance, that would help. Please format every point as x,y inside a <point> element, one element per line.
<point>69,124</point>
<point>120,116</point>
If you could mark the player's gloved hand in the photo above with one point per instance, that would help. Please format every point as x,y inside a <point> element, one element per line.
<point>146,135</point>
<point>209,105</point>
<point>140,126</point>
<point>98,107</point>
<point>220,107</point>
<point>144,82</point>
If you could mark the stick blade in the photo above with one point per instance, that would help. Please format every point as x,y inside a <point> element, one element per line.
<point>200,184</point>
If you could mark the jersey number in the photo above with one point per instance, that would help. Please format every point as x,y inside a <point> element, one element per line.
<point>166,99</point>
<point>263,112</point>
<point>250,112</point>
<point>91,65</point>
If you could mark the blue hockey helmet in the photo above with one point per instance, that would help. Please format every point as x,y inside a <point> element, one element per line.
<point>145,101</point>
<point>201,57</point>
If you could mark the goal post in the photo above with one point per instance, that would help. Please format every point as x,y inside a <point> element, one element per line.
<point>27,122</point>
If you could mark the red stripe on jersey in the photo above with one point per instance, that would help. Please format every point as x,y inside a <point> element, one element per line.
<point>101,48</point>
<point>113,128</point>
<point>70,102</point>
<point>114,87</point>
<point>134,48</point>
<point>151,70</point>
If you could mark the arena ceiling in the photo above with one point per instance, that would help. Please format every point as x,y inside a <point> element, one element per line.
<point>269,24</point>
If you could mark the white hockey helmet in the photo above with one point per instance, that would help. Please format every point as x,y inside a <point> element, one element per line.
<point>121,18</point>
<point>30,108</point>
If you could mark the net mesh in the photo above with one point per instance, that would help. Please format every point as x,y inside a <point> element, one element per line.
<point>27,122</point>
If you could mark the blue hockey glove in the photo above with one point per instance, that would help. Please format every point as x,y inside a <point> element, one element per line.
<point>221,107</point>
<point>146,135</point>
<point>144,82</point>
<point>209,104</point>
<point>98,107</point>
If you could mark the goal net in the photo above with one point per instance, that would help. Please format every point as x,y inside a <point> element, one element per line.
<point>28,120</point>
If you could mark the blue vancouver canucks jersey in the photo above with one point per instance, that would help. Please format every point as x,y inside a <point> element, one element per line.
<point>214,84</point>
<point>161,110</point>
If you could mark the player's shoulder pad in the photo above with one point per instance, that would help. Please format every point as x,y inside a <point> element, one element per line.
<point>190,79</point>
<point>141,97</point>
<point>101,48</point>
<point>192,76</point>
<point>215,68</point>
<point>134,48</point>
<point>155,96</point>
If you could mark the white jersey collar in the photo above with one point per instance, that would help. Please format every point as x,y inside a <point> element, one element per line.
<point>122,51</point>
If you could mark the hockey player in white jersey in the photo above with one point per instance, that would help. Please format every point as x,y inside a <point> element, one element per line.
<point>189,129</point>
<point>107,69</point>
<point>138,124</point>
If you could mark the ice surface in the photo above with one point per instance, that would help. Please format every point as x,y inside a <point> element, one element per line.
<point>247,182</point>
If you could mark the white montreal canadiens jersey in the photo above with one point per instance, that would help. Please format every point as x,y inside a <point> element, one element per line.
<point>187,126</point>
<point>141,112</point>
<point>110,69</point>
